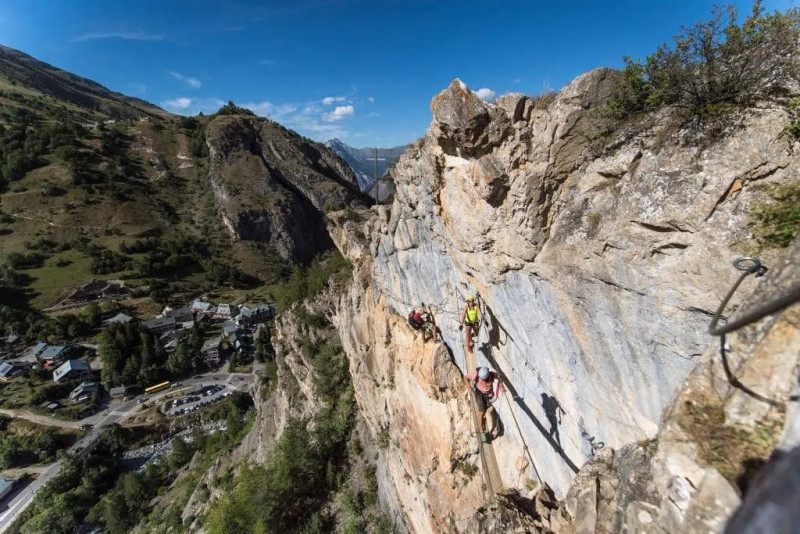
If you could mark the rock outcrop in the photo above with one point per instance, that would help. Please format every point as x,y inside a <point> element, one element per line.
<point>598,274</point>
<point>273,187</point>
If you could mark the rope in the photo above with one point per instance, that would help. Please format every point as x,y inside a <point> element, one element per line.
<point>522,437</point>
<point>751,266</point>
<point>584,432</point>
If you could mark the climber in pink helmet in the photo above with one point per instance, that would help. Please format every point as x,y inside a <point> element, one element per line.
<point>482,383</point>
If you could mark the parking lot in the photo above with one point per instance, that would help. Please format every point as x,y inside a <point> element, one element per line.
<point>192,403</point>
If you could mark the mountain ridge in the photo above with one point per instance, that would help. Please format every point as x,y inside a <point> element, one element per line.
<point>363,161</point>
<point>23,69</point>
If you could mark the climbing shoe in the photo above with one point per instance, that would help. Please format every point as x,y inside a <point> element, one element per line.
<point>484,437</point>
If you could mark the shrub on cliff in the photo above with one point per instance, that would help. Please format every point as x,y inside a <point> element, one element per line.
<point>715,65</point>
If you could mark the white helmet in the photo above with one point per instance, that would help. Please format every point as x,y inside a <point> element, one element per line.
<point>483,373</point>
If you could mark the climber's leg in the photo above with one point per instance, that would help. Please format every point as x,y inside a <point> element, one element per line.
<point>481,404</point>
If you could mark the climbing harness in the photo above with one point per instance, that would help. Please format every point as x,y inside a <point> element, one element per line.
<point>751,266</point>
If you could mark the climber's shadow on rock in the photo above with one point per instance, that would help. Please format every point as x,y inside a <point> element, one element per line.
<point>499,337</point>
<point>553,411</point>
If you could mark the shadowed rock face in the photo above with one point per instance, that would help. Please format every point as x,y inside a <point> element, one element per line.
<point>274,187</point>
<point>598,274</point>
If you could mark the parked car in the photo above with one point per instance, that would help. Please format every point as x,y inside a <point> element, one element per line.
<point>87,426</point>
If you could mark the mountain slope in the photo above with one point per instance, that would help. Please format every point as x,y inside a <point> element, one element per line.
<point>96,184</point>
<point>362,160</point>
<point>20,71</point>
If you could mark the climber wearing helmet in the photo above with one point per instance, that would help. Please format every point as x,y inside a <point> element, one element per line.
<point>481,381</point>
<point>470,317</point>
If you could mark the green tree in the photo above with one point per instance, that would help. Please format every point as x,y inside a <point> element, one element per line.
<point>181,454</point>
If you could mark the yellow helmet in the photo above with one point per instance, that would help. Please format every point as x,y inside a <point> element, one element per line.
<point>470,297</point>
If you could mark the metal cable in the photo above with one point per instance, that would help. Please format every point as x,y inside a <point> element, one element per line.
<point>751,266</point>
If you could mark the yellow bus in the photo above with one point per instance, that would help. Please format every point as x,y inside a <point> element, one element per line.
<point>157,387</point>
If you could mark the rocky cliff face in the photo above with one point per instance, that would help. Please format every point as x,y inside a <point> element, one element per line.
<point>273,187</point>
<point>598,274</point>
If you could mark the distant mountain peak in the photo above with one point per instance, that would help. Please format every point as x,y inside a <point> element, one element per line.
<point>362,160</point>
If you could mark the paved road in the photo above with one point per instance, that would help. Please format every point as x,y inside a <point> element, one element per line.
<point>24,498</point>
<point>116,412</point>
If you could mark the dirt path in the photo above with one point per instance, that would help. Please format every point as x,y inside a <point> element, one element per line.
<point>40,419</point>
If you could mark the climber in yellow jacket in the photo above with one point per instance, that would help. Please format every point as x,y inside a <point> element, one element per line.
<point>470,317</point>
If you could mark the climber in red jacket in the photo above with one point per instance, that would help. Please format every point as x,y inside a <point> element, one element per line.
<point>482,382</point>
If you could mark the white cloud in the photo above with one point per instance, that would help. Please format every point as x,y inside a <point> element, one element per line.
<point>485,94</point>
<point>371,99</point>
<point>328,100</point>
<point>373,114</point>
<point>268,109</point>
<point>339,113</point>
<point>126,36</point>
<point>193,82</point>
<point>178,103</point>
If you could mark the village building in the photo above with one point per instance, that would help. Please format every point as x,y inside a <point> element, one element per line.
<point>226,311</point>
<point>119,318</point>
<point>6,486</point>
<point>159,325</point>
<point>53,354</point>
<point>9,371</point>
<point>119,391</point>
<point>229,328</point>
<point>95,290</point>
<point>84,392</point>
<point>38,349</point>
<point>252,316</point>
<point>200,305</point>
<point>71,369</point>
<point>181,315</point>
<point>210,350</point>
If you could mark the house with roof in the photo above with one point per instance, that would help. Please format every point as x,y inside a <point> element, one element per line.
<point>169,340</point>
<point>71,370</point>
<point>119,391</point>
<point>199,305</point>
<point>84,392</point>
<point>6,486</point>
<point>251,316</point>
<point>38,348</point>
<point>9,371</point>
<point>54,353</point>
<point>9,342</point>
<point>119,318</point>
<point>159,325</point>
<point>240,342</point>
<point>181,315</point>
<point>226,311</point>
<point>210,350</point>
<point>229,328</point>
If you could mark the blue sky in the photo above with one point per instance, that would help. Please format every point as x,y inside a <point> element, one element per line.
<point>363,71</point>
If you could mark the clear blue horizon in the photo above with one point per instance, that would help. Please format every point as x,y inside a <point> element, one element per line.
<point>364,72</point>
